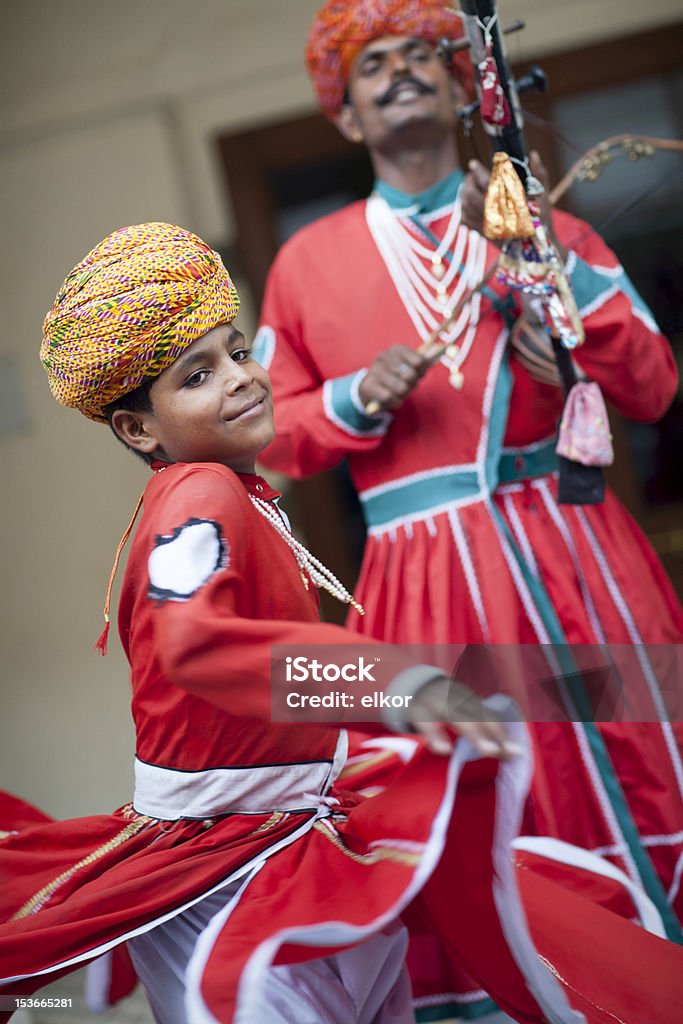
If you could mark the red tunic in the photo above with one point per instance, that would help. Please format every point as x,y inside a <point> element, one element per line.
<point>466,541</point>
<point>222,794</point>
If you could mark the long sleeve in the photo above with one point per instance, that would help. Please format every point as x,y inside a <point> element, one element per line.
<point>221,589</point>
<point>624,350</point>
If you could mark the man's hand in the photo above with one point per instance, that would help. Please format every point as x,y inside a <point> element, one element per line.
<point>392,377</point>
<point>442,703</point>
<point>473,194</point>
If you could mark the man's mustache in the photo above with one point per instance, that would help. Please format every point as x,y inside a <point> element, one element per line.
<point>390,94</point>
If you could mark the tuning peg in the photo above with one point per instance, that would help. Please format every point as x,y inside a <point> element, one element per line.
<point>535,80</point>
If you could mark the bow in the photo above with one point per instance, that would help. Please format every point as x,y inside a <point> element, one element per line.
<point>591,164</point>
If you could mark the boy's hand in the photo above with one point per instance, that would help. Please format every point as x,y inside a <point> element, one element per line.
<point>442,703</point>
<point>392,377</point>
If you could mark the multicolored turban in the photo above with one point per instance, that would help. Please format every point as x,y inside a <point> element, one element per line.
<point>342,28</point>
<point>128,310</point>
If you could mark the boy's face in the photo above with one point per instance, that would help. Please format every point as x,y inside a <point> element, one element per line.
<point>213,404</point>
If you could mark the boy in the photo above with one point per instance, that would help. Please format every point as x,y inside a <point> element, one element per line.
<point>248,887</point>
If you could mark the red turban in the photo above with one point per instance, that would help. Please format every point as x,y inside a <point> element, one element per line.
<point>342,28</point>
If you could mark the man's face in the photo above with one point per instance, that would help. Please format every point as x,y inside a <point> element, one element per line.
<point>213,404</point>
<point>396,83</point>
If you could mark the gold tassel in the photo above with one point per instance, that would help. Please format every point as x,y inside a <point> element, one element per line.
<point>506,212</point>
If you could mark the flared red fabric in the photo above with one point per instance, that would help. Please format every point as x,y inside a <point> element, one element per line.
<point>316,883</point>
<point>611,787</point>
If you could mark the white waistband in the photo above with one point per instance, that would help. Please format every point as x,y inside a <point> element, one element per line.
<point>170,793</point>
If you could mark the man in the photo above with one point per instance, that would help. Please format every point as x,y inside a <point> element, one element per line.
<point>466,540</point>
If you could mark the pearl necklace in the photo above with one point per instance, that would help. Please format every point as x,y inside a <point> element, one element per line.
<point>424,284</point>
<point>309,566</point>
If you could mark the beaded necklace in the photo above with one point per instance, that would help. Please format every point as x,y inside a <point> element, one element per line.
<point>424,280</point>
<point>309,566</point>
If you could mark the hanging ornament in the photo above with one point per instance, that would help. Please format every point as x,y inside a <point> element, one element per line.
<point>584,429</point>
<point>452,356</point>
<point>438,269</point>
<point>533,186</point>
<point>495,110</point>
<point>506,211</point>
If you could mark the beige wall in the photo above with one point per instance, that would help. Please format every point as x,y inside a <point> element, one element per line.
<point>109,115</point>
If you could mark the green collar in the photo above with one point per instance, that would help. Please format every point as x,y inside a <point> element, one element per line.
<point>433,198</point>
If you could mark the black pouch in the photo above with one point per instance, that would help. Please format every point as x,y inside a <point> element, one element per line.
<point>579,484</point>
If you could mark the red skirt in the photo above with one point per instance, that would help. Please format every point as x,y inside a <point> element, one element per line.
<point>433,846</point>
<point>590,573</point>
